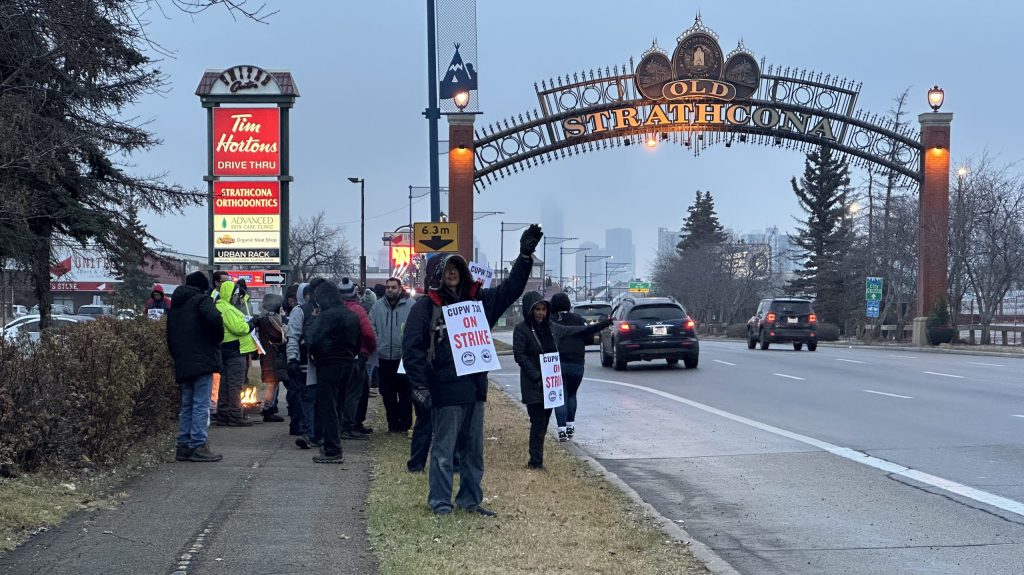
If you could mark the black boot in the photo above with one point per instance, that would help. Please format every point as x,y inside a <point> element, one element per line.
<point>202,454</point>
<point>182,453</point>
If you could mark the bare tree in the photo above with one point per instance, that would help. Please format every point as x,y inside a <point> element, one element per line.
<point>990,221</point>
<point>318,248</point>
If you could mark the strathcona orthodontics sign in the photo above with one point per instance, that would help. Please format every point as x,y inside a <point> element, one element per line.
<point>699,88</point>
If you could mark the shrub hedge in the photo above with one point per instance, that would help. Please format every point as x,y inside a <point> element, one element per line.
<point>85,396</point>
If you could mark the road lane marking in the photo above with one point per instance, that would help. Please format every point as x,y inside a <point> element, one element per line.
<point>978,495</point>
<point>903,356</point>
<point>943,374</point>
<point>889,394</point>
<point>789,376</point>
<point>849,360</point>
<point>986,364</point>
<point>725,362</point>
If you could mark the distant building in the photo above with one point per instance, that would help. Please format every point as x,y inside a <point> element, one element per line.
<point>667,242</point>
<point>618,243</point>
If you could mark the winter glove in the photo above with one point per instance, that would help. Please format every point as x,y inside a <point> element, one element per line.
<point>294,371</point>
<point>607,322</point>
<point>529,240</point>
<point>422,398</point>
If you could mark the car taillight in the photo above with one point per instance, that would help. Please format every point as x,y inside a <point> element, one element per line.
<point>624,326</point>
<point>812,318</point>
<point>689,324</point>
<point>770,318</point>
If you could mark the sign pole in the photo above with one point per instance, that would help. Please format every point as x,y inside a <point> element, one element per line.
<point>433,113</point>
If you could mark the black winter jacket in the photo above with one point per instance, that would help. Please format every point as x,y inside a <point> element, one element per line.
<point>530,340</point>
<point>333,335</point>
<point>437,374</point>
<point>570,349</point>
<point>194,332</point>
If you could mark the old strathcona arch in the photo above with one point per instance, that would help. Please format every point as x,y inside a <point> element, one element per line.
<point>697,96</point>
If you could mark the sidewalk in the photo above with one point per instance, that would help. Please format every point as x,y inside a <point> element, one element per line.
<point>266,508</point>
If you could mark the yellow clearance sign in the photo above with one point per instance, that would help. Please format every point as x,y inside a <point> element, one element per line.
<point>435,237</point>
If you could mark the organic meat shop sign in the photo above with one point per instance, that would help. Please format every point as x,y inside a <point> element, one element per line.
<point>700,89</point>
<point>246,142</point>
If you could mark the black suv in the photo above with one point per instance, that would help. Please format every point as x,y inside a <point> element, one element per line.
<point>780,320</point>
<point>649,328</point>
<point>593,312</point>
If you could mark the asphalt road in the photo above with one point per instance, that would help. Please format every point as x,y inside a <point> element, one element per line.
<point>842,460</point>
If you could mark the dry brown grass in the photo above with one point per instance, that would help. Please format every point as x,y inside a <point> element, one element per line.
<point>43,499</point>
<point>566,520</point>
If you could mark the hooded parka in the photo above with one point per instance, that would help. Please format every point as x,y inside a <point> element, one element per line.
<point>236,330</point>
<point>426,351</point>
<point>531,339</point>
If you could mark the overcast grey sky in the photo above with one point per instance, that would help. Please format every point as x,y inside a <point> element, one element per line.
<point>361,70</point>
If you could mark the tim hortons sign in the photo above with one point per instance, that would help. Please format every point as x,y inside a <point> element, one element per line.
<point>700,88</point>
<point>246,142</point>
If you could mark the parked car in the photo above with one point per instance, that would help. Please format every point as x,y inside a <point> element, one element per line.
<point>96,310</point>
<point>781,320</point>
<point>57,308</point>
<point>19,310</point>
<point>126,313</point>
<point>647,329</point>
<point>30,326</point>
<point>593,312</point>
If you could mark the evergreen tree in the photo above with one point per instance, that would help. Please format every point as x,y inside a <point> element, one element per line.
<point>826,237</point>
<point>68,71</point>
<point>701,227</point>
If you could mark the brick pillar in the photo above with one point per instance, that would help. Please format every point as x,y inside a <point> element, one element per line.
<point>461,176</point>
<point>933,212</point>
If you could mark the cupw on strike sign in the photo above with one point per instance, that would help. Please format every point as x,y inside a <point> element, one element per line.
<point>246,141</point>
<point>470,337</point>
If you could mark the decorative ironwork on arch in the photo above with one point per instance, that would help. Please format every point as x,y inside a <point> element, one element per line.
<point>789,101</point>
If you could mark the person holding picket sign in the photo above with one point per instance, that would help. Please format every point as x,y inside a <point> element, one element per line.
<point>535,344</point>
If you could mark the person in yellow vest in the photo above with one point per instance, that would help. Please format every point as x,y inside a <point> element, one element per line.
<point>237,345</point>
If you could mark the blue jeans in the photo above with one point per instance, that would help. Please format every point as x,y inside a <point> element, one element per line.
<point>572,378</point>
<point>457,427</point>
<point>195,410</point>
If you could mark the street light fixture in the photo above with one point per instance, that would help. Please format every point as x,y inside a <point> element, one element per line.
<point>480,215</point>
<point>562,250</point>
<point>553,241</point>
<point>586,276</point>
<point>507,227</point>
<point>461,99</point>
<point>611,266</point>
<point>362,229</point>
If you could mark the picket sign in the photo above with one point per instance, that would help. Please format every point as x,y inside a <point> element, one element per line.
<point>481,273</point>
<point>551,380</point>
<point>470,337</point>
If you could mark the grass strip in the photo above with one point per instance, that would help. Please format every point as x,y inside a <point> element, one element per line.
<point>567,519</point>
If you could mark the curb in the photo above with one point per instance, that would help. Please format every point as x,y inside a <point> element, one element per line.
<point>711,560</point>
<point>895,348</point>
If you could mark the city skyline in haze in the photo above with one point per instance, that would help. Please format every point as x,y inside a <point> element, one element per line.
<point>360,69</point>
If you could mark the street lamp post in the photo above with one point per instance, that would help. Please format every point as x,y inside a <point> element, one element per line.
<point>553,241</point>
<point>362,229</point>
<point>586,276</point>
<point>507,227</point>
<point>612,265</point>
<point>562,250</point>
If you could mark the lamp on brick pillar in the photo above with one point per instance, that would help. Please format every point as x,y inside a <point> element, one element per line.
<point>460,178</point>
<point>933,211</point>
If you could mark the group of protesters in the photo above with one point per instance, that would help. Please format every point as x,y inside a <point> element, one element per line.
<point>325,344</point>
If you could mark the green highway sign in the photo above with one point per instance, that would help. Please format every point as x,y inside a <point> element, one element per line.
<point>873,289</point>
<point>640,287</point>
